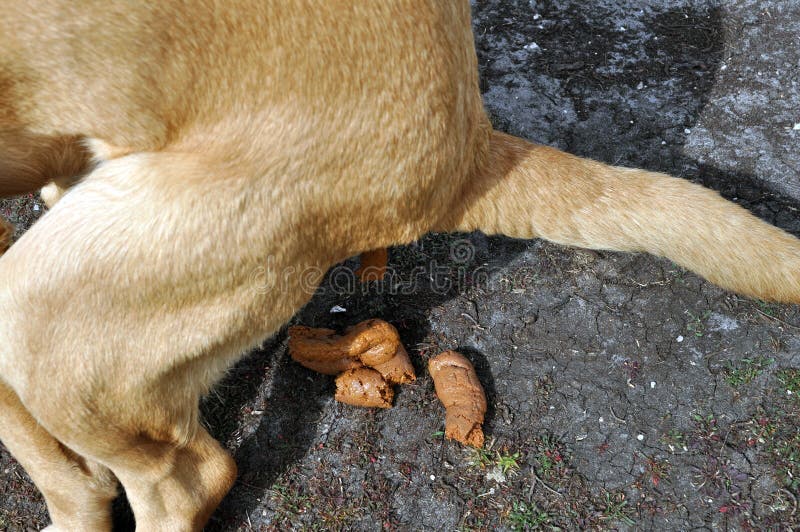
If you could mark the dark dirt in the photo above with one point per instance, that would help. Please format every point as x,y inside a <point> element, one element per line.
<point>624,392</point>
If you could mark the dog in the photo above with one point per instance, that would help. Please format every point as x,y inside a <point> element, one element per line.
<point>184,146</point>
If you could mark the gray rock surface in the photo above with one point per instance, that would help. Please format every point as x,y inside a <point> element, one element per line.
<point>679,86</point>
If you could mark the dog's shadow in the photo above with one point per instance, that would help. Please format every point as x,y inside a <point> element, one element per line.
<point>287,401</point>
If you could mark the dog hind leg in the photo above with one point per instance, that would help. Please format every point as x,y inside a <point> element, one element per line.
<point>148,267</point>
<point>30,161</point>
<point>78,491</point>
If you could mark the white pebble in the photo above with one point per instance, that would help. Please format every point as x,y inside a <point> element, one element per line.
<point>652,384</point>
<point>640,437</point>
<point>601,419</point>
<point>433,477</point>
<point>679,339</point>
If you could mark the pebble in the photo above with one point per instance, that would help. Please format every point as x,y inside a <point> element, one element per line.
<point>496,474</point>
<point>640,437</point>
<point>679,339</point>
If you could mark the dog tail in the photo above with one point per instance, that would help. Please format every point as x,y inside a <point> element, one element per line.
<point>29,161</point>
<point>530,191</point>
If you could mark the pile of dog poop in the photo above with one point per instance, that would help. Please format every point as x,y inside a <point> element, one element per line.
<point>369,359</point>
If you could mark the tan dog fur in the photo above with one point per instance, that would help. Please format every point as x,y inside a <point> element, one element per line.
<point>222,146</point>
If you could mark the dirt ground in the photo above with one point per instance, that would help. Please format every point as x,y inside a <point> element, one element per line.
<point>624,392</point>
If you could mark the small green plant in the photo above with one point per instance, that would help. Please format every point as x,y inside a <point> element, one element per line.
<point>480,458</point>
<point>761,430</point>
<point>790,379</point>
<point>707,431</point>
<point>484,458</point>
<point>675,440</point>
<point>548,457</point>
<point>657,469</point>
<point>291,501</point>
<point>787,451</point>
<point>616,509</point>
<point>507,462</point>
<point>546,463</point>
<point>677,273</point>
<point>765,308</point>
<point>747,370</point>
<point>703,420</point>
<point>697,324</point>
<point>529,517</point>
